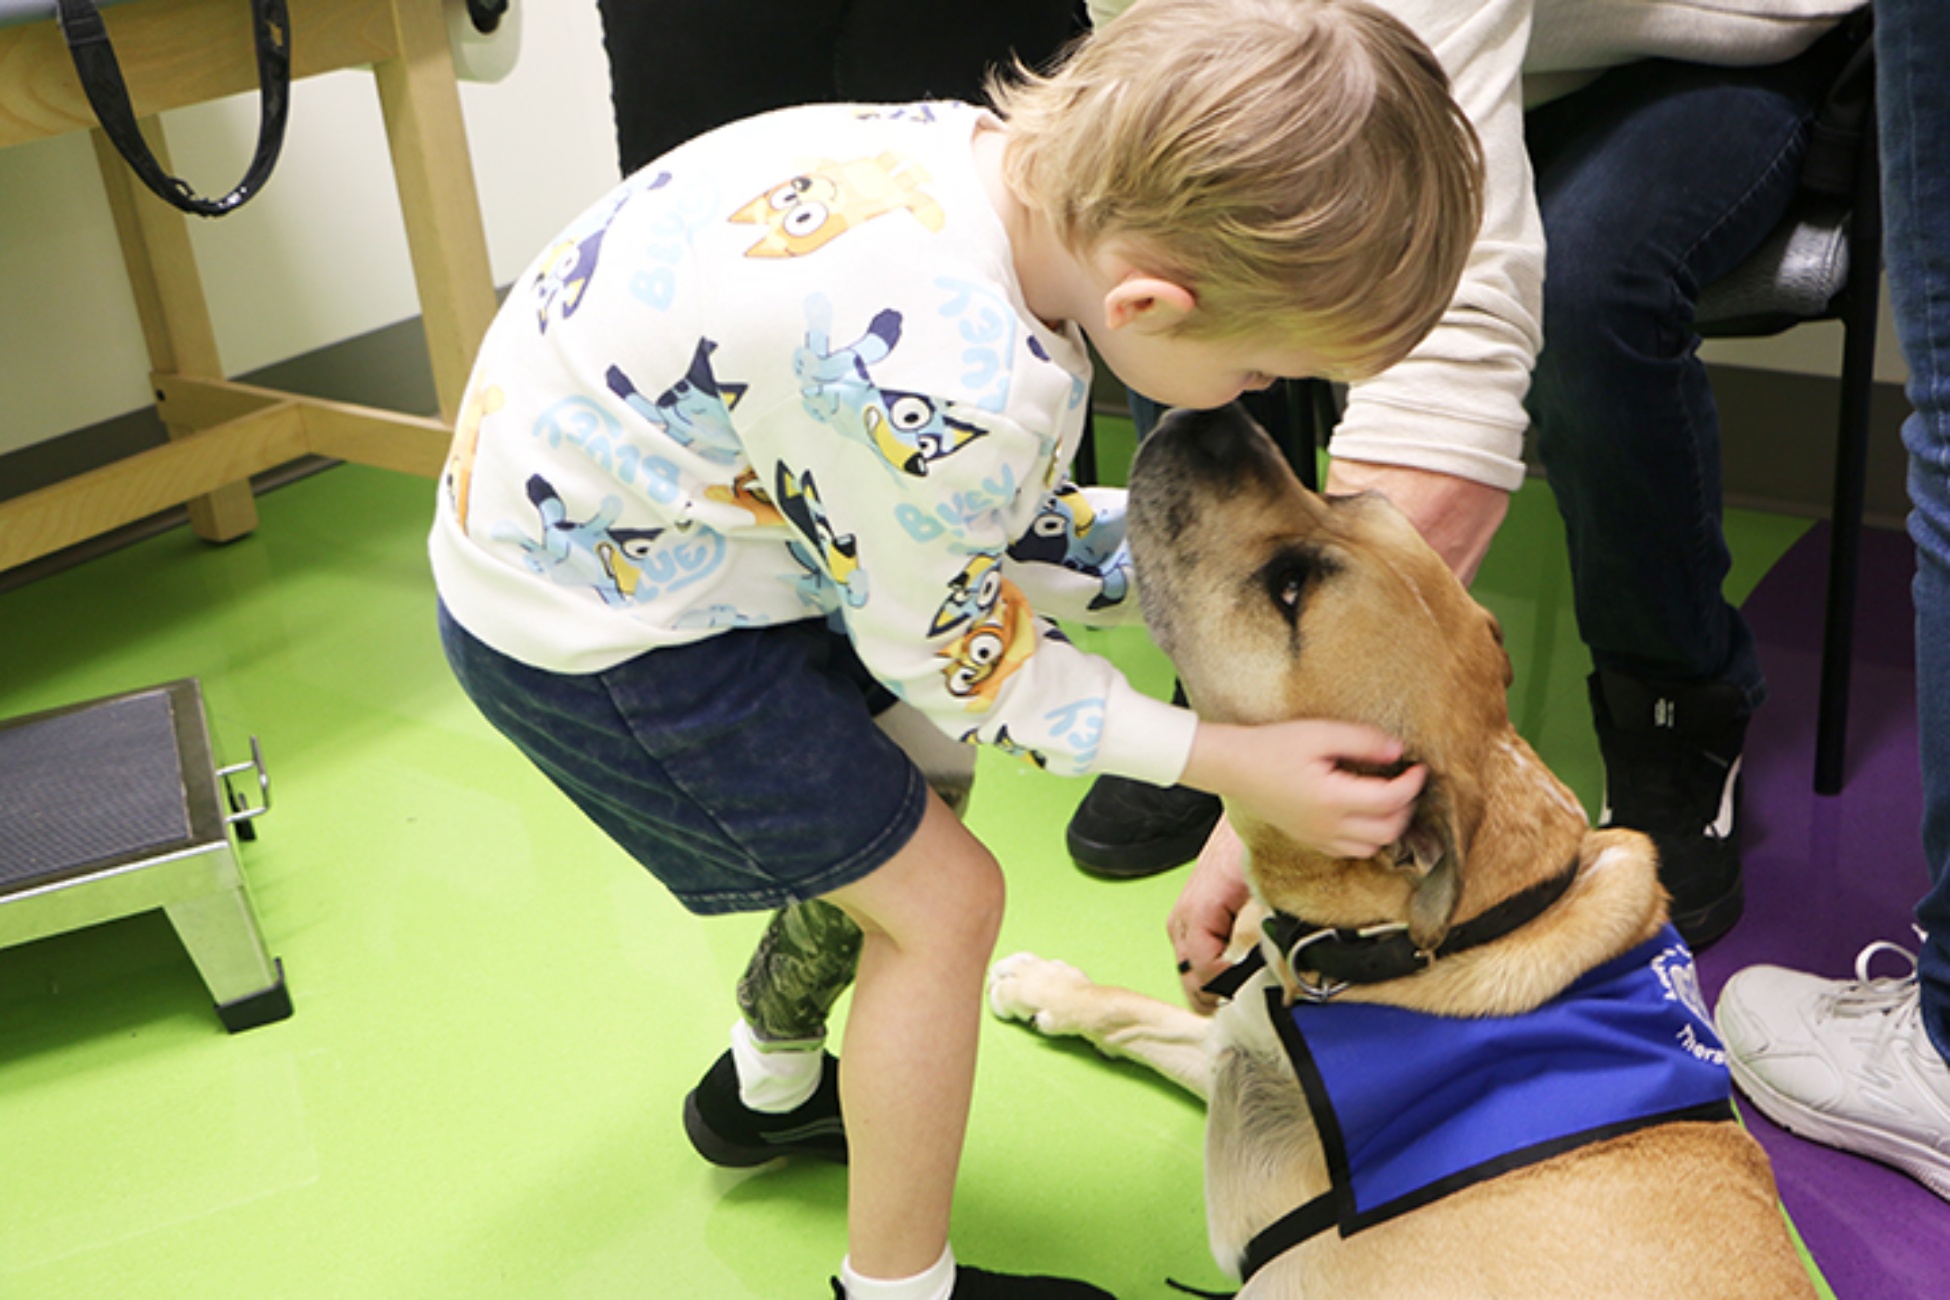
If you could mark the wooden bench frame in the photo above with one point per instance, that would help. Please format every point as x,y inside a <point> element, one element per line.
<point>179,52</point>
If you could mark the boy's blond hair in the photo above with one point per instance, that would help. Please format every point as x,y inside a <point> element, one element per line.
<point>1298,164</point>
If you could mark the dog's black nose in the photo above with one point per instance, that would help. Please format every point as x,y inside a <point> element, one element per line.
<point>1223,442</point>
<point>1224,436</point>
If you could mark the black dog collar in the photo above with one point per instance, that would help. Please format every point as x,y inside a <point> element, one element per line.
<point>1327,959</point>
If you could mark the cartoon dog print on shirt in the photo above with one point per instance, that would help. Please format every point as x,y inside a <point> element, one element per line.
<point>838,556</point>
<point>594,554</point>
<point>570,265</point>
<point>910,431</point>
<point>812,209</point>
<point>747,495</point>
<point>620,565</point>
<point>922,113</point>
<point>459,474</point>
<point>694,412</point>
<point>1008,745</point>
<point>998,632</point>
<point>1066,533</point>
<point>971,595</point>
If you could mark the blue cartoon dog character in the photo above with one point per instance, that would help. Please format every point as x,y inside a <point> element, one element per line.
<point>594,553</point>
<point>910,431</point>
<point>1069,532</point>
<point>694,412</point>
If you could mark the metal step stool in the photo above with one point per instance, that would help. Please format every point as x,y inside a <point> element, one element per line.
<point>115,807</point>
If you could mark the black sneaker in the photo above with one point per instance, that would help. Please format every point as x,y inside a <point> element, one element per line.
<point>1672,770</point>
<point>727,1132</point>
<point>1126,829</point>
<point>980,1284</point>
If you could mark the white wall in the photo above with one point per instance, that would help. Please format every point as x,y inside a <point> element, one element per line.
<point>319,256</point>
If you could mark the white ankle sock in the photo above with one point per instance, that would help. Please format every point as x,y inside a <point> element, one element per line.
<point>937,1283</point>
<point>773,1079</point>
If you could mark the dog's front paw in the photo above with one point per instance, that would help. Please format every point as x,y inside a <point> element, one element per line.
<point>1037,990</point>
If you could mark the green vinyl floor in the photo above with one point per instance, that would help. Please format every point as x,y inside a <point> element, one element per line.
<point>497,1014</point>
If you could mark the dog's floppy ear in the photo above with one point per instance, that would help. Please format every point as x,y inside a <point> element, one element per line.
<point>1432,850</point>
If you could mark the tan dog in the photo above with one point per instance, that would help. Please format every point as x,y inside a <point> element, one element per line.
<point>1275,603</point>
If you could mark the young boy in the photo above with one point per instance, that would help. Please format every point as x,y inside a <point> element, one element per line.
<point>762,444</point>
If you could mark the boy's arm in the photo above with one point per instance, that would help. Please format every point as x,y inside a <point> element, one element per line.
<point>917,564</point>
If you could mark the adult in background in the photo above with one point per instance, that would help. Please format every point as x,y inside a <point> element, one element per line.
<point>1651,147</point>
<point>1860,1064</point>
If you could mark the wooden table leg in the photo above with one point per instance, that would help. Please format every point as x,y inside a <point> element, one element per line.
<point>435,174</point>
<point>175,318</point>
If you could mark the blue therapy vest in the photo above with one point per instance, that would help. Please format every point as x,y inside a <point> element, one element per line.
<point>1411,1107</point>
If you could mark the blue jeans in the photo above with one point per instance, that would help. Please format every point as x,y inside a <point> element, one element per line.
<point>1654,181</point>
<point>1913,98</point>
<point>743,771</point>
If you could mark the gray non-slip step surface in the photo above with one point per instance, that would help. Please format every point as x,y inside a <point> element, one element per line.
<point>89,786</point>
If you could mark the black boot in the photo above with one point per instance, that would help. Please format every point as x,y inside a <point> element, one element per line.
<point>1126,829</point>
<point>1672,769</point>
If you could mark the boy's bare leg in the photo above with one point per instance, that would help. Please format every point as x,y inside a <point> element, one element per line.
<point>929,918</point>
<point>809,952</point>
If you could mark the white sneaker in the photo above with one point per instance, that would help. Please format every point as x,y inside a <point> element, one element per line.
<point>1846,1063</point>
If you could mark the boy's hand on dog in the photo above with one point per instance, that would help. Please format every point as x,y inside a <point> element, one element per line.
<point>1298,778</point>
<point>1304,779</point>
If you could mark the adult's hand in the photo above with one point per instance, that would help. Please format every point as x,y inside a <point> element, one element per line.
<point>1457,516</point>
<point>1201,921</point>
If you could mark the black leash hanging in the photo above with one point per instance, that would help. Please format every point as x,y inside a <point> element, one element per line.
<point>101,79</point>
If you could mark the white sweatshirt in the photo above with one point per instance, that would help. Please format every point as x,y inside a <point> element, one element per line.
<point>786,372</point>
<point>1456,404</point>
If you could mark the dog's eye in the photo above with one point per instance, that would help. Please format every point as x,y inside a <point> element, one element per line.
<point>1287,577</point>
<point>1288,588</point>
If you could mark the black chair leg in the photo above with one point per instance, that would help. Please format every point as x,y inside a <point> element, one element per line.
<point>1851,475</point>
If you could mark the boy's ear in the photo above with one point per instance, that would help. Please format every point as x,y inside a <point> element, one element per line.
<point>1146,301</point>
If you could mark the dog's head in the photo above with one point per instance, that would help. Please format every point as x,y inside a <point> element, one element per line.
<point>1274,603</point>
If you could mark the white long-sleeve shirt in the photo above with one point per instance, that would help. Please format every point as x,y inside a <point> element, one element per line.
<point>786,372</point>
<point>1456,404</point>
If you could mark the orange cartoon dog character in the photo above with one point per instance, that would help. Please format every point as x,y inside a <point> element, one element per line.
<point>998,641</point>
<point>818,206</point>
<point>459,475</point>
<point>746,494</point>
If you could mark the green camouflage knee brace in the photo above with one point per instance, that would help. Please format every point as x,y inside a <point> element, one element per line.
<point>805,959</point>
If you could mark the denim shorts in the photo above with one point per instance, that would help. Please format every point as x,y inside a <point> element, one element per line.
<point>744,771</point>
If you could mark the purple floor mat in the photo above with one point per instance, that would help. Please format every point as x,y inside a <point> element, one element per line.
<point>1826,876</point>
